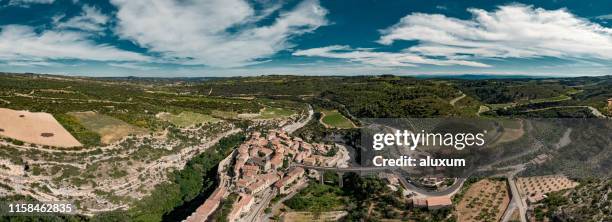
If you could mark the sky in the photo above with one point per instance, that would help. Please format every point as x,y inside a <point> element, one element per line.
<point>183,38</point>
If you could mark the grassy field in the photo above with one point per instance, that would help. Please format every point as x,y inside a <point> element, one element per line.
<point>500,105</point>
<point>185,119</point>
<point>80,132</point>
<point>468,106</point>
<point>224,114</point>
<point>317,198</point>
<point>333,118</point>
<point>552,99</point>
<point>511,123</point>
<point>531,101</point>
<point>265,113</point>
<point>109,128</point>
<point>274,112</point>
<point>309,216</point>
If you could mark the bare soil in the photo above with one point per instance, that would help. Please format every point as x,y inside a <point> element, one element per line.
<point>37,128</point>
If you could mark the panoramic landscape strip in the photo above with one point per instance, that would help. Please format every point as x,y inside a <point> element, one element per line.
<point>158,149</point>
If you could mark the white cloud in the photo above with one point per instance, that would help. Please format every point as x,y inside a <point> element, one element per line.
<point>605,17</point>
<point>32,63</point>
<point>389,59</point>
<point>27,3</point>
<point>220,33</point>
<point>21,44</point>
<point>91,19</point>
<point>133,66</point>
<point>512,31</point>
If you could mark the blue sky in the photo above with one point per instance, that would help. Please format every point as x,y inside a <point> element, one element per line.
<point>337,37</point>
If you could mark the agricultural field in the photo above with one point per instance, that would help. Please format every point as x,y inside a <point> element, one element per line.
<point>500,105</point>
<point>334,119</point>
<point>224,114</point>
<point>186,118</point>
<point>275,112</point>
<point>485,200</point>
<point>265,113</point>
<point>37,128</point>
<point>513,130</point>
<point>534,188</point>
<point>110,129</point>
<point>551,99</point>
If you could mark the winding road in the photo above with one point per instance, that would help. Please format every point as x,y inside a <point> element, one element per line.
<point>301,123</point>
<point>455,100</point>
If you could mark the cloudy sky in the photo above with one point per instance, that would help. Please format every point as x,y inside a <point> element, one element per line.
<point>307,37</point>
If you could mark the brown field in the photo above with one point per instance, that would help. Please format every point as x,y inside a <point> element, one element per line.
<point>534,188</point>
<point>109,128</point>
<point>513,130</point>
<point>486,200</point>
<point>37,128</point>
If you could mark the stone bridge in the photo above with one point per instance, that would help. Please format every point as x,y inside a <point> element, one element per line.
<point>341,170</point>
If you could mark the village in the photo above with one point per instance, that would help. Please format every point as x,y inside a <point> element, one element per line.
<point>263,167</point>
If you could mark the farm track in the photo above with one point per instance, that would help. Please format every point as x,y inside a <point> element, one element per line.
<point>455,100</point>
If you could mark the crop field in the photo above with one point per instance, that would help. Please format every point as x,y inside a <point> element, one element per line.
<point>38,128</point>
<point>551,99</point>
<point>513,130</point>
<point>265,113</point>
<point>535,187</point>
<point>486,200</point>
<point>222,114</point>
<point>185,119</point>
<point>109,128</point>
<point>332,118</point>
<point>275,112</point>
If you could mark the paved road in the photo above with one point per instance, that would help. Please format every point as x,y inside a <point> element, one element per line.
<point>508,213</point>
<point>516,197</point>
<point>257,210</point>
<point>428,193</point>
<point>301,123</point>
<point>276,205</point>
